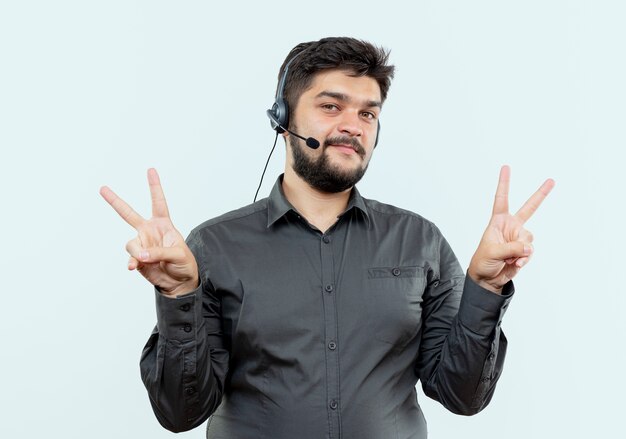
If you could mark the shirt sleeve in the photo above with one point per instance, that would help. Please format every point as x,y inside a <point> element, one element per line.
<point>463,347</point>
<point>184,363</point>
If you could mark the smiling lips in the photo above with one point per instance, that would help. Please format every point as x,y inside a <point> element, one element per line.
<point>346,145</point>
<point>347,149</point>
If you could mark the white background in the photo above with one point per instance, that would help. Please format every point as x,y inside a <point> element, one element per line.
<point>94,93</point>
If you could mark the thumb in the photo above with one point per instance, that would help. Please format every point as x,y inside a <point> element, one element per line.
<point>509,250</point>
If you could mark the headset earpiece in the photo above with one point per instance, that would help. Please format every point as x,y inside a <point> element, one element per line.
<point>279,115</point>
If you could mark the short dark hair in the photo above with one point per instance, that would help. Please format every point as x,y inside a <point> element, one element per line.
<point>357,56</point>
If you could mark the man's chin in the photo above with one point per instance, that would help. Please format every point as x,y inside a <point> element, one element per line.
<point>345,171</point>
<point>344,164</point>
<point>330,173</point>
<point>342,180</point>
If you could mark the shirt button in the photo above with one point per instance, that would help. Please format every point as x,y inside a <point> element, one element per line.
<point>190,390</point>
<point>332,345</point>
<point>395,271</point>
<point>333,404</point>
<point>329,288</point>
<point>186,307</point>
<point>187,328</point>
<point>491,356</point>
<point>326,239</point>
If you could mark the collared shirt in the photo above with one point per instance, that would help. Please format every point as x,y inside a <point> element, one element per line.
<point>295,333</point>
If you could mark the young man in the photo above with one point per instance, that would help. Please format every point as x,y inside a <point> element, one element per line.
<point>312,313</point>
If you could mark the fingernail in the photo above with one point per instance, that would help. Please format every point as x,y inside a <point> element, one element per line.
<point>526,250</point>
<point>521,263</point>
<point>144,255</point>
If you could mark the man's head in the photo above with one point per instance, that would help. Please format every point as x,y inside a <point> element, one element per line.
<point>358,57</point>
<point>334,90</point>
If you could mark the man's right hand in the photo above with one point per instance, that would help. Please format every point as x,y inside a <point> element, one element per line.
<point>159,251</point>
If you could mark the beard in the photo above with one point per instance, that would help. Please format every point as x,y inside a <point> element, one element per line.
<point>319,173</point>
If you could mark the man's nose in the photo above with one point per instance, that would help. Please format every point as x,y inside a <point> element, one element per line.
<point>350,124</point>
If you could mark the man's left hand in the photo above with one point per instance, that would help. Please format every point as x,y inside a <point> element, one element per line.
<point>506,246</point>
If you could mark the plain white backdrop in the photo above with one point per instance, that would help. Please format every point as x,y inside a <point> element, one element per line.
<point>94,93</point>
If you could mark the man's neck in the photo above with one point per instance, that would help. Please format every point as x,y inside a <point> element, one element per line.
<point>320,209</point>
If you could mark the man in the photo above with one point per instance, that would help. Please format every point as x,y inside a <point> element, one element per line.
<point>312,313</point>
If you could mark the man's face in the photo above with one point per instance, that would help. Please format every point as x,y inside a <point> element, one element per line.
<point>341,112</point>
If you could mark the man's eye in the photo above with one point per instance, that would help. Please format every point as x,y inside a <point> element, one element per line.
<point>369,115</point>
<point>330,107</point>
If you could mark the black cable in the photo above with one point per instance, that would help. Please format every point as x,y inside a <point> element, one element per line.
<point>264,169</point>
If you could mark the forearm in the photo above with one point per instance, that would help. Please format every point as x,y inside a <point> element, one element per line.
<point>464,374</point>
<point>183,364</point>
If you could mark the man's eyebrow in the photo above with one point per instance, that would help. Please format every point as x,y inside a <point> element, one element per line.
<point>345,98</point>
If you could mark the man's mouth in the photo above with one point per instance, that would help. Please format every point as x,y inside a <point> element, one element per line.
<point>348,149</point>
<point>346,145</point>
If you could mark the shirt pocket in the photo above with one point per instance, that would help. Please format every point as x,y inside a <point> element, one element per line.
<point>396,303</point>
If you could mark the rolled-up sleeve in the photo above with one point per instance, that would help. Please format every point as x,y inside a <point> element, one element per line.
<point>463,346</point>
<point>184,363</point>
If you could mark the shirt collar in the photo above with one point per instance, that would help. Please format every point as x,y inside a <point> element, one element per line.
<point>278,206</point>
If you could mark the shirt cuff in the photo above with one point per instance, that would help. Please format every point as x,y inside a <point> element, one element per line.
<point>481,310</point>
<point>179,318</point>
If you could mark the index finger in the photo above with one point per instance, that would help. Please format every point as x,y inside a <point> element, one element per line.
<point>501,201</point>
<point>159,205</point>
<point>124,210</point>
<point>533,203</point>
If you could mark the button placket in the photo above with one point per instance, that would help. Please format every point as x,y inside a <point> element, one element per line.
<point>329,293</point>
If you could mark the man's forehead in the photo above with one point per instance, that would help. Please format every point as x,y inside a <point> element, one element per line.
<point>344,84</point>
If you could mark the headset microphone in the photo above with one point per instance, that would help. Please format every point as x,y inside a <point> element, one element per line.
<point>310,141</point>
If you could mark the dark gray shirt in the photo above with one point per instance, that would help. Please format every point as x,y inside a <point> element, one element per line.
<point>294,333</point>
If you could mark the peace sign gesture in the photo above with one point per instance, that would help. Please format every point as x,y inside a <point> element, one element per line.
<point>506,245</point>
<point>159,251</point>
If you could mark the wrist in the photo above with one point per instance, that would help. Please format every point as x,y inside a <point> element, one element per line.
<point>484,283</point>
<point>489,287</point>
<point>182,289</point>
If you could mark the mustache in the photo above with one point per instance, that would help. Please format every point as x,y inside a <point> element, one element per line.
<point>345,140</point>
